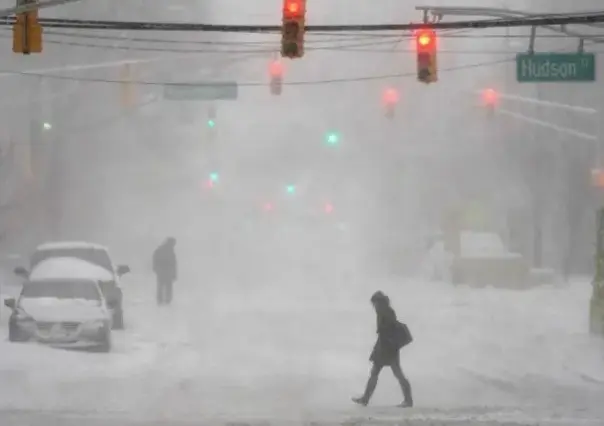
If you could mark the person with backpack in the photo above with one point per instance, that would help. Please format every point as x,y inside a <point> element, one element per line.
<point>165,268</point>
<point>392,337</point>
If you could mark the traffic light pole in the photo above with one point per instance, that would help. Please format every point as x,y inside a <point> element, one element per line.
<point>439,12</point>
<point>536,198</point>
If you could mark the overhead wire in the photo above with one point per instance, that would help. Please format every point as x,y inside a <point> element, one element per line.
<point>250,84</point>
<point>257,84</point>
<point>524,21</point>
<point>227,62</point>
<point>131,110</point>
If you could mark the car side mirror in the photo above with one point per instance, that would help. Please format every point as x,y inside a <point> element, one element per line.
<point>123,270</point>
<point>10,303</point>
<point>20,271</point>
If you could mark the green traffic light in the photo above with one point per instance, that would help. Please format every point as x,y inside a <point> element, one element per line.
<point>333,138</point>
<point>214,177</point>
<point>211,123</point>
<point>291,189</point>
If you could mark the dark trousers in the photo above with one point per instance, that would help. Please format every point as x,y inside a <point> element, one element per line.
<point>164,291</point>
<point>398,373</point>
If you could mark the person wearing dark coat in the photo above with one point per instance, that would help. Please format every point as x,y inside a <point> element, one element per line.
<point>385,351</point>
<point>165,268</point>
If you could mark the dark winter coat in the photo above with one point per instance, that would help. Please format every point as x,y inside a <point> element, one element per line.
<point>164,263</point>
<point>385,350</point>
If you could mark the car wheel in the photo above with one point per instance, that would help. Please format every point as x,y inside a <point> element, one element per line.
<point>105,344</point>
<point>118,319</point>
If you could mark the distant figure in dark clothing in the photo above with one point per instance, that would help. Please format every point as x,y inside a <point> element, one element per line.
<point>165,268</point>
<point>386,351</point>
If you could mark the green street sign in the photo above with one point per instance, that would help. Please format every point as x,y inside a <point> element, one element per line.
<point>555,67</point>
<point>201,91</point>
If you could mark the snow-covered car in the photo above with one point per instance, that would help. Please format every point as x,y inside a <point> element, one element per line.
<point>88,260</point>
<point>61,312</point>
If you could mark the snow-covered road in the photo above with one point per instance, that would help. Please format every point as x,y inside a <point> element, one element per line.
<point>482,354</point>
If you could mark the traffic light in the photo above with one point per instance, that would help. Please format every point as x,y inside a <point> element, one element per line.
<point>268,207</point>
<point>390,100</point>
<point>597,178</point>
<point>292,30</point>
<point>212,180</point>
<point>276,76</point>
<point>211,117</point>
<point>332,138</point>
<point>291,189</point>
<point>328,208</point>
<point>425,40</point>
<point>490,98</point>
<point>27,32</point>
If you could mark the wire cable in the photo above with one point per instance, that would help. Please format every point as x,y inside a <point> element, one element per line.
<point>259,84</point>
<point>527,21</point>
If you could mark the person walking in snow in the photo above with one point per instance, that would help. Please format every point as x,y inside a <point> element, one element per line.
<point>165,268</point>
<point>392,336</point>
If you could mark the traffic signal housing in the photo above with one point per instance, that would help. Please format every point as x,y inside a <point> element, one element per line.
<point>390,99</point>
<point>211,117</point>
<point>490,99</point>
<point>293,27</point>
<point>276,76</point>
<point>427,70</point>
<point>27,32</point>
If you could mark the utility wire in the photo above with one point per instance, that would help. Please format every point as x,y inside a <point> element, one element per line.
<point>81,35</point>
<point>168,26</point>
<point>352,36</point>
<point>222,65</point>
<point>270,47</point>
<point>260,84</point>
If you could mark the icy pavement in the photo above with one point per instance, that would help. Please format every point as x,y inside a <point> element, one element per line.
<point>288,355</point>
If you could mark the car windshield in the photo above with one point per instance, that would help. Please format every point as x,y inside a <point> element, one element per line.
<point>72,289</point>
<point>96,256</point>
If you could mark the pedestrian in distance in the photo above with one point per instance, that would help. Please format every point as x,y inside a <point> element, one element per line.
<point>166,270</point>
<point>392,337</point>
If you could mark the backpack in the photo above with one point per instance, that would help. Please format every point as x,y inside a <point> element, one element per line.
<point>402,336</point>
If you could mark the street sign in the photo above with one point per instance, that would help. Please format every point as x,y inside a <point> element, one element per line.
<point>201,92</point>
<point>555,67</point>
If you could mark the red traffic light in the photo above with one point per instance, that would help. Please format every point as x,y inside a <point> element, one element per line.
<point>276,69</point>
<point>292,8</point>
<point>390,96</point>
<point>490,97</point>
<point>268,207</point>
<point>425,39</point>
<point>328,208</point>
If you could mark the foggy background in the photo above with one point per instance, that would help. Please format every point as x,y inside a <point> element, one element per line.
<point>272,306</point>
